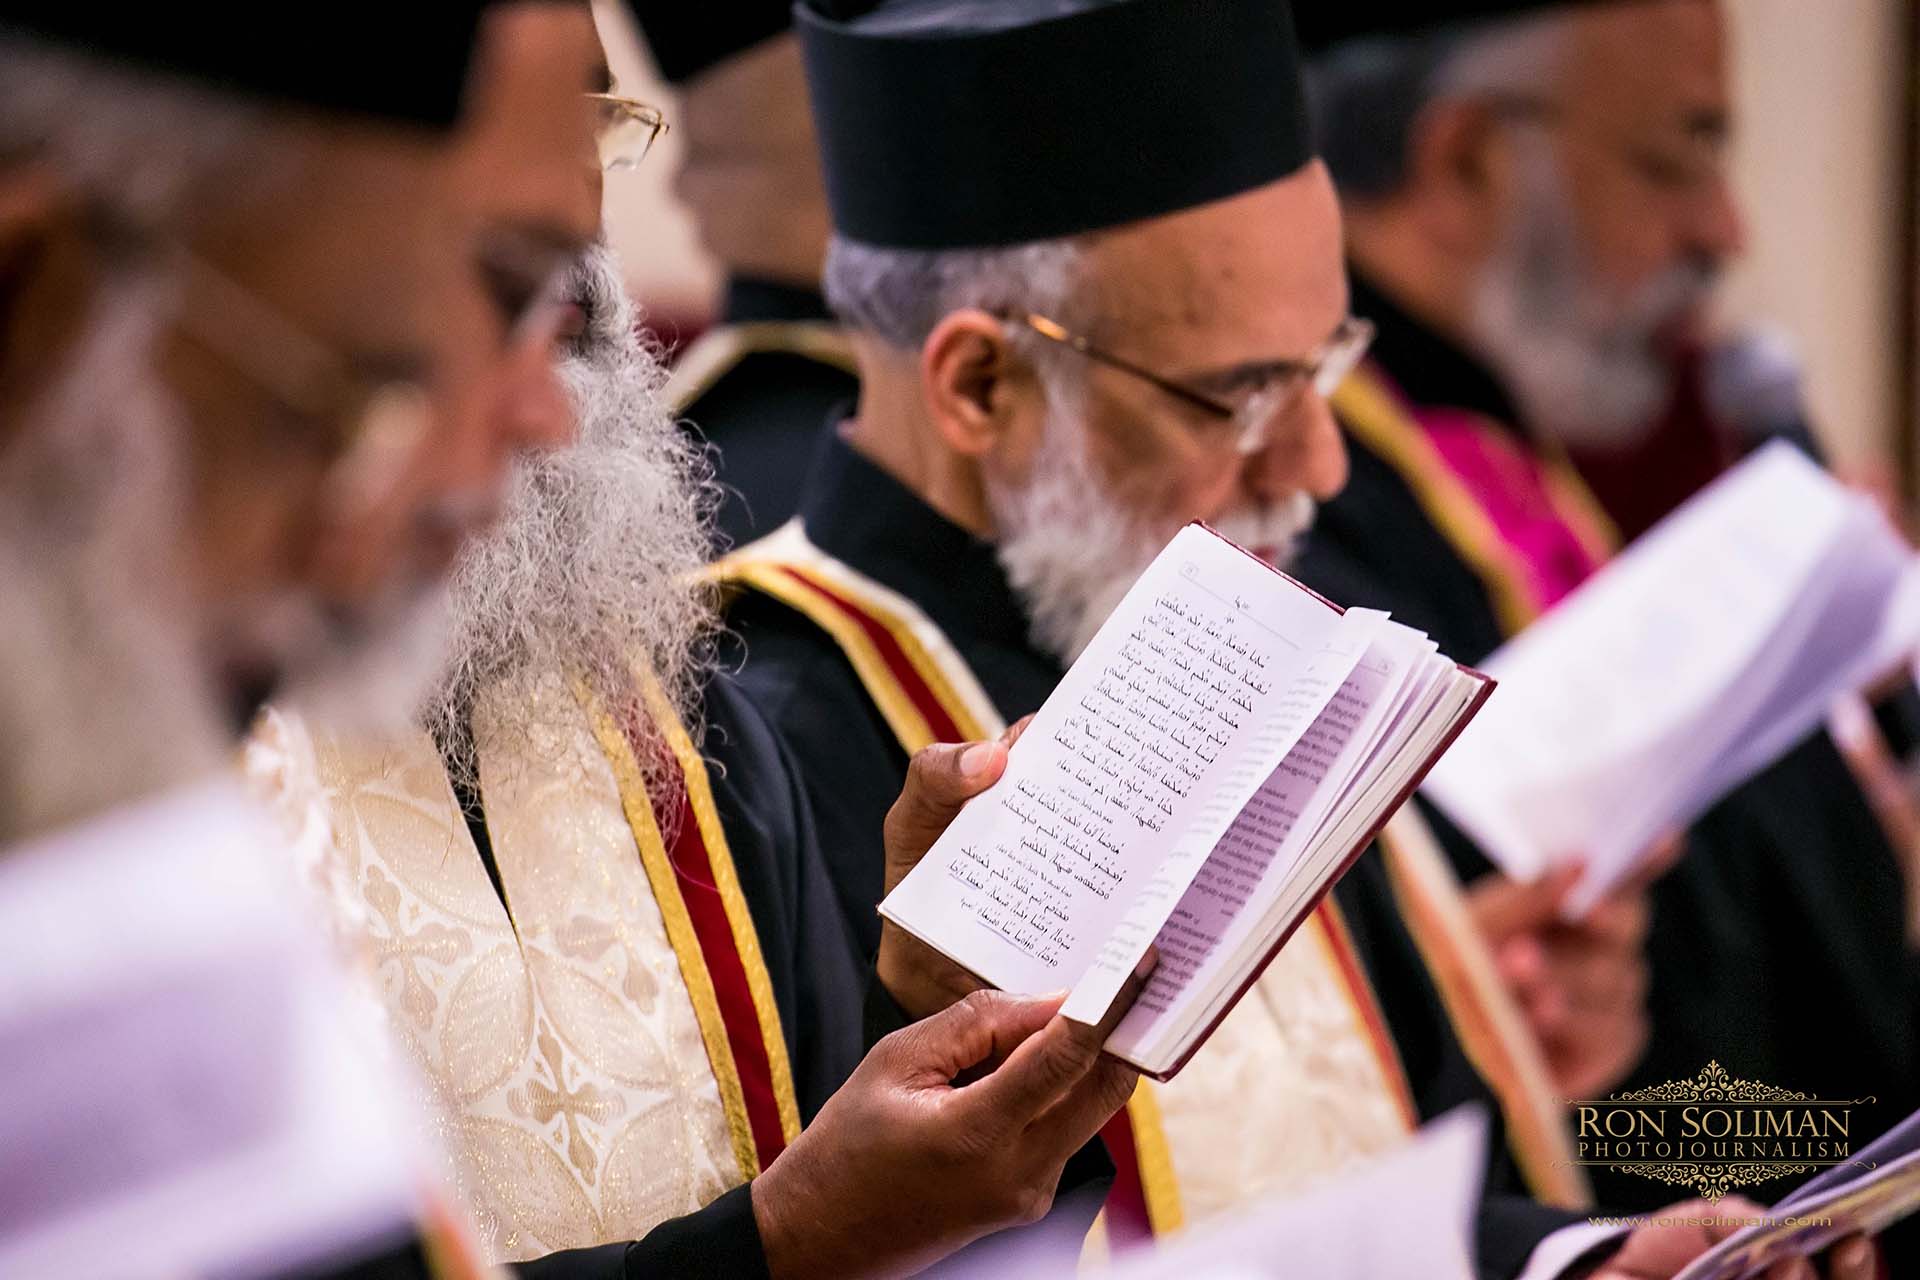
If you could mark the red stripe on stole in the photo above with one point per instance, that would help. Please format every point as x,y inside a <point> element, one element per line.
<point>1128,1221</point>
<point>1360,992</point>
<point>693,869</point>
<point>904,672</point>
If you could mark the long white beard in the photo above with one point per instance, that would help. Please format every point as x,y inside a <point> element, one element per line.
<point>1071,550</point>
<point>593,570</point>
<point>1583,369</point>
<point>104,689</point>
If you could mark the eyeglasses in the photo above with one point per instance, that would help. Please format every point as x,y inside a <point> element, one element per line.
<point>525,274</point>
<point>1684,165</point>
<point>1249,411</point>
<point>625,130</point>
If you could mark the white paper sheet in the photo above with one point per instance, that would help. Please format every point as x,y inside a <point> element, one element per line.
<point>1706,650</point>
<point>187,1090</point>
<point>1406,1216</point>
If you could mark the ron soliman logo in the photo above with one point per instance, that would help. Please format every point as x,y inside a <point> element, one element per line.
<point>1714,1133</point>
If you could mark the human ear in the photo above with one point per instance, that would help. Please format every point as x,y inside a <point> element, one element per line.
<point>1460,163</point>
<point>976,386</point>
<point>47,265</point>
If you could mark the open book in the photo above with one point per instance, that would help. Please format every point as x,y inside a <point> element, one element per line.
<point>1877,1188</point>
<point>1220,754</point>
<point>1694,660</point>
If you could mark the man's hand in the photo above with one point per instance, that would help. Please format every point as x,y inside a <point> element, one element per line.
<point>940,780</point>
<point>1659,1250</point>
<point>1581,984</point>
<point>902,1167</point>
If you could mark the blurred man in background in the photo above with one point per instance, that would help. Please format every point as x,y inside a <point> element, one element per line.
<point>619,1051</point>
<point>759,384</point>
<point>217,306</point>
<point>1536,210</point>
<point>225,284</point>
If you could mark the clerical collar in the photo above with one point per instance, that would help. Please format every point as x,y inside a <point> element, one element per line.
<point>755,299</point>
<point>1431,369</point>
<point>860,515</point>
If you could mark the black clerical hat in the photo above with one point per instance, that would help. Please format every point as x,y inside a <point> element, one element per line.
<point>1326,23</point>
<point>975,123</point>
<point>406,64</point>
<point>688,36</point>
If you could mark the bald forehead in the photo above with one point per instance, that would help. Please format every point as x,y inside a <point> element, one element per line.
<point>1658,62</point>
<point>1257,276</point>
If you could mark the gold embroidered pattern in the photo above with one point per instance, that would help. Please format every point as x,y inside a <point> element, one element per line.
<point>565,1072</point>
<point>544,1103</point>
<point>435,942</point>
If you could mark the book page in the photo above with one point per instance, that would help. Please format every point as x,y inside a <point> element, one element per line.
<point>1388,778</point>
<point>1877,1188</point>
<point>1278,729</point>
<point>1248,866</point>
<point>1635,682</point>
<point>1328,1228</point>
<point>1210,655</point>
<point>1333,1228</point>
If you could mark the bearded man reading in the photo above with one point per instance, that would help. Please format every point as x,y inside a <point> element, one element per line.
<point>1537,210</point>
<point>587,895</point>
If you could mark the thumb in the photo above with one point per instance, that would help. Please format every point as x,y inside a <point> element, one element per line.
<point>940,780</point>
<point>1014,730</point>
<point>1503,907</point>
<point>986,1026</point>
<point>1660,857</point>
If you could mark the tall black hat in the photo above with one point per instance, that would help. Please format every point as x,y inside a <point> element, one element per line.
<point>687,38</point>
<point>1329,23</point>
<point>975,123</point>
<point>407,69</point>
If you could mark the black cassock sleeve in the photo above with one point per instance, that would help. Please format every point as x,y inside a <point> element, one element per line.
<point>720,1242</point>
<point>818,969</point>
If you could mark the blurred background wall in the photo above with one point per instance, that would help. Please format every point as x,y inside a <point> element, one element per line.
<point>1821,162</point>
<point>1829,134</point>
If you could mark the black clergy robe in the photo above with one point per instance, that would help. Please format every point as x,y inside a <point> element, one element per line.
<point>853,766</point>
<point>762,406</point>
<point>1777,945</point>
<point>818,971</point>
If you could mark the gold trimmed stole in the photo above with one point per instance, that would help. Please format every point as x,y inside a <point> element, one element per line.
<point>576,1071</point>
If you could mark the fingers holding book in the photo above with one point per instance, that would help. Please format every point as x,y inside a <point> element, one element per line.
<point>1103,1083</point>
<point>907,1165</point>
<point>1581,984</point>
<point>940,780</point>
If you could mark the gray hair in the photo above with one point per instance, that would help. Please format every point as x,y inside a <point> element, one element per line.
<point>102,683</point>
<point>901,295</point>
<point>596,562</point>
<point>133,141</point>
<point>1367,95</point>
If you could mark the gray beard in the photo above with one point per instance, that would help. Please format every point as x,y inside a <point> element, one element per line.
<point>1582,371</point>
<point>594,570</point>
<point>104,690</point>
<point>1071,551</point>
